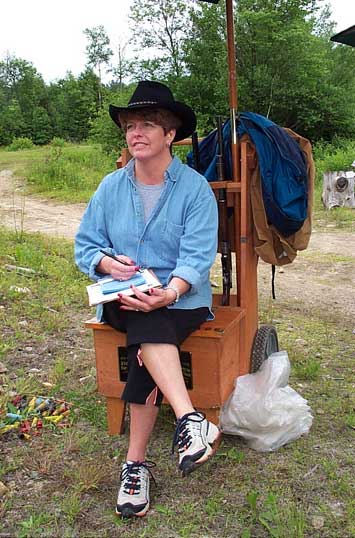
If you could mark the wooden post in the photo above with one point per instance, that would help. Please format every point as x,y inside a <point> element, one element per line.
<point>248,261</point>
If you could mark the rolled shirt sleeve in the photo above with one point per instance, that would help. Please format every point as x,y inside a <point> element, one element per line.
<point>92,236</point>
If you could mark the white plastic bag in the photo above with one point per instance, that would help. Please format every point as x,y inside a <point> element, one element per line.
<point>264,410</point>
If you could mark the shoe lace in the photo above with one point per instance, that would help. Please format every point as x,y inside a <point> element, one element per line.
<point>131,476</point>
<point>182,436</point>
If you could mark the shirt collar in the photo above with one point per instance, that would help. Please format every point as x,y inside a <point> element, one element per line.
<point>170,173</point>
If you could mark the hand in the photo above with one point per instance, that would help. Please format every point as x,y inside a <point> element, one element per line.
<point>118,270</point>
<point>146,302</point>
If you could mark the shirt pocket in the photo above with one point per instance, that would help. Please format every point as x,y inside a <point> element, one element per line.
<point>170,237</point>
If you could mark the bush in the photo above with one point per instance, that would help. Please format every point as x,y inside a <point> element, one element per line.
<point>336,156</point>
<point>58,142</point>
<point>21,143</point>
<point>71,172</point>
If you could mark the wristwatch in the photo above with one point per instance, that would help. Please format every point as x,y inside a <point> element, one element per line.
<point>176,289</point>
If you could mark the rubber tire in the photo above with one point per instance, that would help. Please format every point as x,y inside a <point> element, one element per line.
<point>265,343</point>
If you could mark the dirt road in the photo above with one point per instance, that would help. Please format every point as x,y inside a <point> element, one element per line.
<point>322,277</point>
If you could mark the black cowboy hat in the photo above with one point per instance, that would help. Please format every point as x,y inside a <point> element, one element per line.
<point>151,94</point>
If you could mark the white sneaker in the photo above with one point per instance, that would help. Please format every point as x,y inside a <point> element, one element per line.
<point>133,495</point>
<point>197,440</point>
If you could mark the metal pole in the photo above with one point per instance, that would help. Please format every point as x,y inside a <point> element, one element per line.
<point>235,152</point>
<point>233,98</point>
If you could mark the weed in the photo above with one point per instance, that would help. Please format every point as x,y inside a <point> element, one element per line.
<point>88,443</point>
<point>70,173</point>
<point>308,371</point>
<point>213,504</point>
<point>252,499</point>
<point>267,495</point>
<point>279,520</point>
<point>164,510</point>
<point>57,373</point>
<point>21,143</point>
<point>33,525</point>
<point>235,455</point>
<point>90,405</point>
<point>350,420</point>
<point>88,475</point>
<point>71,506</point>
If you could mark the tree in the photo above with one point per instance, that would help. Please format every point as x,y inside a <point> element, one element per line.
<point>41,127</point>
<point>74,105</point>
<point>122,67</point>
<point>159,26</point>
<point>12,123</point>
<point>205,87</point>
<point>22,89</point>
<point>285,66</point>
<point>98,50</point>
<point>103,130</point>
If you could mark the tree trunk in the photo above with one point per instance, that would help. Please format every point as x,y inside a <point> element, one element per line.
<point>338,189</point>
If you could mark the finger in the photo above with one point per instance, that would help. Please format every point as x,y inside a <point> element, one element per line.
<point>122,272</point>
<point>125,259</point>
<point>140,294</point>
<point>130,308</point>
<point>157,292</point>
<point>130,302</point>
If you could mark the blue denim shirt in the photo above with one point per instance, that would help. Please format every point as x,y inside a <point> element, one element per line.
<point>179,239</point>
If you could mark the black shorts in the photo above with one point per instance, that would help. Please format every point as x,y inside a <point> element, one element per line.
<point>161,326</point>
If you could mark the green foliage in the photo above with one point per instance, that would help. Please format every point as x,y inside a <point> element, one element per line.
<point>12,122</point>
<point>159,25</point>
<point>309,370</point>
<point>98,50</point>
<point>74,105</point>
<point>274,495</point>
<point>206,87</point>
<point>287,69</point>
<point>103,130</point>
<point>335,156</point>
<point>20,143</point>
<point>70,172</point>
<point>22,91</point>
<point>279,521</point>
<point>41,126</point>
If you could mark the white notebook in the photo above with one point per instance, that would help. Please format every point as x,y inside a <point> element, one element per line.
<point>107,289</point>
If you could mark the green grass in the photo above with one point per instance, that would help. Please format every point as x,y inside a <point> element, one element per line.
<point>64,483</point>
<point>72,172</point>
<point>332,157</point>
<point>68,173</point>
<point>338,218</point>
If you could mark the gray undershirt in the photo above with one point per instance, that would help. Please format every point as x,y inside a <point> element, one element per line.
<point>149,194</point>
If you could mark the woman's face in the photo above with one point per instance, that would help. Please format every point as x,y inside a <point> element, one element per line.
<point>146,139</point>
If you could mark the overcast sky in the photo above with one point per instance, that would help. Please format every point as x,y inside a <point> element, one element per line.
<point>50,33</point>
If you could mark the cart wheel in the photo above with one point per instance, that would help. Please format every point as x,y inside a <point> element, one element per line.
<point>265,343</point>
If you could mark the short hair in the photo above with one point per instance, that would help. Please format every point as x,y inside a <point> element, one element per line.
<point>160,116</point>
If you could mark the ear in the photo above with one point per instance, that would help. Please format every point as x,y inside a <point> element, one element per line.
<point>171,135</point>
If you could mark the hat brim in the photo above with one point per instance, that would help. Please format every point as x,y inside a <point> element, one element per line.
<point>182,111</point>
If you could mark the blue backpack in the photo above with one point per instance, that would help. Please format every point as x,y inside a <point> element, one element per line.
<point>283,169</point>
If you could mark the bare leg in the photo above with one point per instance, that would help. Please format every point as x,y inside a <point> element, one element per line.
<point>142,420</point>
<point>163,363</point>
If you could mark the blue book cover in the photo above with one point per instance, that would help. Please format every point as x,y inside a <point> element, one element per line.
<point>116,286</point>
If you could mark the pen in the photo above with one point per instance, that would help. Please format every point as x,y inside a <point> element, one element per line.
<point>117,260</point>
